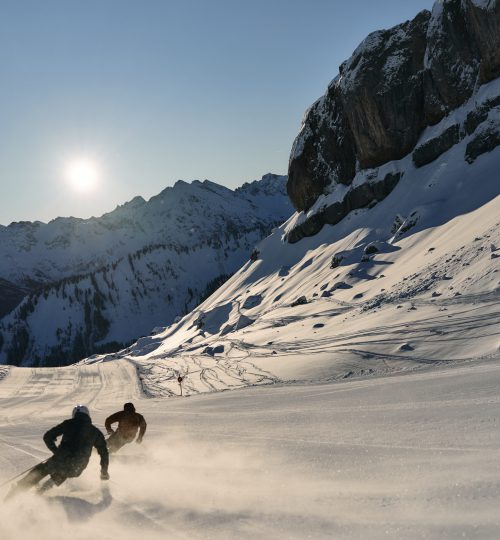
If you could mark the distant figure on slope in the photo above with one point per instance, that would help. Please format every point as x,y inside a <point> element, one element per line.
<point>72,455</point>
<point>129,422</point>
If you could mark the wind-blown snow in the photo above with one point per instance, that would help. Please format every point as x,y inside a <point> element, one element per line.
<point>409,456</point>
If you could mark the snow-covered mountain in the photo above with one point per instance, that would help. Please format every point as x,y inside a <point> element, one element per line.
<point>100,283</point>
<point>397,83</point>
<point>394,268</point>
<point>373,312</point>
<point>38,253</point>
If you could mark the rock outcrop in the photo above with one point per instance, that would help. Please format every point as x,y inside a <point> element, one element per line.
<point>396,83</point>
<point>365,194</point>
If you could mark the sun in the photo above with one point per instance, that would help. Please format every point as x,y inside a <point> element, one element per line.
<point>83,175</point>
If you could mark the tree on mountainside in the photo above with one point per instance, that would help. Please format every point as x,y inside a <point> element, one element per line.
<point>18,346</point>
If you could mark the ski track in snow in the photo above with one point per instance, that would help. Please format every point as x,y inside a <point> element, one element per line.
<point>239,367</point>
<point>437,303</point>
<point>413,455</point>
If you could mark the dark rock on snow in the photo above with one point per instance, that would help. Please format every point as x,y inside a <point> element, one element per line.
<point>396,83</point>
<point>357,197</point>
<point>433,148</point>
<point>485,141</point>
<point>299,302</point>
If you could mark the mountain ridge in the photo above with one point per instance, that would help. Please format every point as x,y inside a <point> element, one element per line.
<point>106,281</point>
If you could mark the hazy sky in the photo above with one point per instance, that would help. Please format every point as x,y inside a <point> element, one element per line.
<point>151,91</point>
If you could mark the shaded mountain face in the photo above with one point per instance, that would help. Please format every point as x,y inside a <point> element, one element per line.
<point>10,295</point>
<point>396,83</point>
<point>100,283</point>
<point>33,254</point>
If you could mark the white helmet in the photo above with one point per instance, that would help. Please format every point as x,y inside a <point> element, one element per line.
<point>80,409</point>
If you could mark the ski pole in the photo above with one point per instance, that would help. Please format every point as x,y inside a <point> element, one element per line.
<point>20,474</point>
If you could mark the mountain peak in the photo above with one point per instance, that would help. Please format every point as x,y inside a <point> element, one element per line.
<point>395,87</point>
<point>131,269</point>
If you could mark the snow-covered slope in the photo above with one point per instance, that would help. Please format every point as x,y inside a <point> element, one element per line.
<point>114,278</point>
<point>405,457</point>
<point>409,281</point>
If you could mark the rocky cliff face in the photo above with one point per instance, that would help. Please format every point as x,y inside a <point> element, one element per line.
<point>396,83</point>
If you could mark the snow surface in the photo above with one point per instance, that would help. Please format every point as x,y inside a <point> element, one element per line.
<point>410,456</point>
<point>376,415</point>
<point>427,295</point>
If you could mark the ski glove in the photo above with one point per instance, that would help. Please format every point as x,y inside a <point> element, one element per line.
<point>104,475</point>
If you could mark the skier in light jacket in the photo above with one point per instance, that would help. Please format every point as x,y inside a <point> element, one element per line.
<point>129,422</point>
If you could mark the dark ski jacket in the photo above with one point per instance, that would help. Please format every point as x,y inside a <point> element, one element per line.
<point>79,436</point>
<point>128,424</point>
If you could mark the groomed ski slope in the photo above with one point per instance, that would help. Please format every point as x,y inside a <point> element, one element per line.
<point>414,455</point>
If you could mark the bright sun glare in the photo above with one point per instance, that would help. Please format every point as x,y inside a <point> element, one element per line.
<point>82,175</point>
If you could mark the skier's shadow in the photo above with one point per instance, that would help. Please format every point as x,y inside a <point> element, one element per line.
<point>78,509</point>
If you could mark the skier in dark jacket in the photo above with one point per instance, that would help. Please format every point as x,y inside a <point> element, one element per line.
<point>129,422</point>
<point>71,457</point>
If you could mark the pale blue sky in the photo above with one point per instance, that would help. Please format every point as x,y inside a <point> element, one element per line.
<point>157,90</point>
